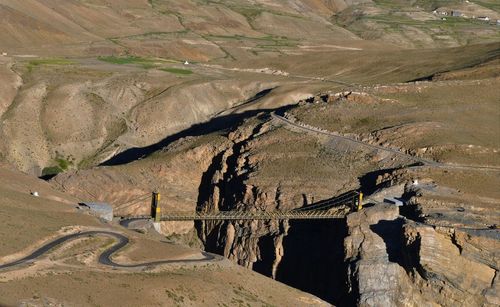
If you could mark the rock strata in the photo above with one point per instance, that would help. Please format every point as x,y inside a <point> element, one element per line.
<point>393,261</point>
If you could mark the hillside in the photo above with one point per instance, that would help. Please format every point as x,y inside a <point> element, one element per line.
<point>28,222</point>
<point>259,106</point>
<point>60,114</point>
<point>267,163</point>
<point>233,29</point>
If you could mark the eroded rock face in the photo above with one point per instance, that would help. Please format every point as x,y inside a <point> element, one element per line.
<point>398,262</point>
<point>372,250</point>
<point>227,190</point>
<point>451,266</point>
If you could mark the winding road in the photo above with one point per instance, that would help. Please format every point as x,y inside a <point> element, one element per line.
<point>105,257</point>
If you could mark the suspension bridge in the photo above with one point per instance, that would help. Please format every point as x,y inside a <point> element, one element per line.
<point>335,207</point>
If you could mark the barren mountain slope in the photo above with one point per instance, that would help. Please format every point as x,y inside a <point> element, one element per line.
<point>85,25</point>
<point>82,115</point>
<point>154,28</point>
<point>251,105</point>
<point>61,114</point>
<point>28,222</point>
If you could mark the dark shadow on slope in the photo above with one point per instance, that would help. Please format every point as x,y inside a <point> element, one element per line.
<point>368,181</point>
<point>47,177</point>
<point>258,96</point>
<point>390,232</point>
<point>205,189</point>
<point>216,124</point>
<point>216,237</point>
<point>426,78</point>
<point>264,265</point>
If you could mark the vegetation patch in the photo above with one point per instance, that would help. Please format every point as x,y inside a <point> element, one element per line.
<point>62,164</point>
<point>177,71</point>
<point>145,63</point>
<point>53,61</point>
<point>178,299</point>
<point>434,4</point>
<point>491,4</point>
<point>250,12</point>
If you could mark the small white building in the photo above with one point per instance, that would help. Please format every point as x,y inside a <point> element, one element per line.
<point>394,201</point>
<point>483,18</point>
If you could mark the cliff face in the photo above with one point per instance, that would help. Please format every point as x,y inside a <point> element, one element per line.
<point>259,172</point>
<point>227,189</point>
<point>398,262</point>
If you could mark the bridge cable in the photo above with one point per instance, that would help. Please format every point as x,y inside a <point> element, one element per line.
<point>132,202</point>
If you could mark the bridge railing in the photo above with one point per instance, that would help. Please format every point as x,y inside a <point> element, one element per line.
<point>257,215</point>
<point>335,207</point>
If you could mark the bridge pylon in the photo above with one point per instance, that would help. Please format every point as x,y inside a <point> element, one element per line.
<point>155,207</point>
<point>360,201</point>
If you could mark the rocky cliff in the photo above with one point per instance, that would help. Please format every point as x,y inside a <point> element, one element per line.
<point>376,257</point>
<point>394,261</point>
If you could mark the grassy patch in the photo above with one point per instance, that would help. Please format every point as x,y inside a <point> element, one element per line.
<point>491,4</point>
<point>268,42</point>
<point>150,35</point>
<point>177,71</point>
<point>434,4</point>
<point>62,164</point>
<point>250,12</point>
<point>54,61</point>
<point>267,38</point>
<point>394,4</point>
<point>145,63</point>
<point>387,24</point>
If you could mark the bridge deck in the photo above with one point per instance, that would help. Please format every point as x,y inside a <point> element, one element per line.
<point>260,215</point>
<point>264,215</point>
<point>333,208</point>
